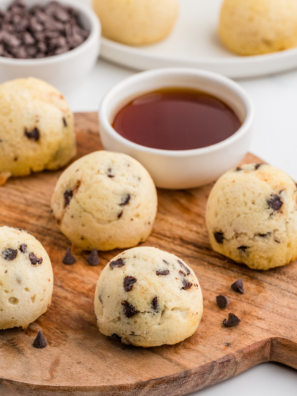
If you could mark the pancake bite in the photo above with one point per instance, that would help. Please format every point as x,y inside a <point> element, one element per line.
<point>36,128</point>
<point>147,297</point>
<point>136,22</point>
<point>252,216</point>
<point>26,278</point>
<point>255,27</point>
<point>105,201</point>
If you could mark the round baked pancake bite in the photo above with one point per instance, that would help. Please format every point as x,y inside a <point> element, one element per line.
<point>36,128</point>
<point>252,216</point>
<point>105,201</point>
<point>26,278</point>
<point>147,297</point>
<point>136,22</point>
<point>256,27</point>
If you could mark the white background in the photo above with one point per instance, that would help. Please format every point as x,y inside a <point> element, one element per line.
<point>275,140</point>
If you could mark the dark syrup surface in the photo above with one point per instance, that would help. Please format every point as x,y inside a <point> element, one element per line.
<point>176,119</point>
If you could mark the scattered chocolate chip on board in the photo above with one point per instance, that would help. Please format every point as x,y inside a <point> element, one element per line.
<point>69,259</point>
<point>232,320</point>
<point>222,301</point>
<point>40,341</point>
<point>238,286</point>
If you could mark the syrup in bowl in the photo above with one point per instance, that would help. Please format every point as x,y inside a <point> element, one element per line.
<point>176,119</point>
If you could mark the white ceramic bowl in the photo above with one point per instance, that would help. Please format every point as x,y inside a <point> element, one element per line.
<point>62,71</point>
<point>187,168</point>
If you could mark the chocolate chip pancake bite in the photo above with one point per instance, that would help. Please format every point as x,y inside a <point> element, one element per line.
<point>136,22</point>
<point>26,278</point>
<point>147,297</point>
<point>252,216</point>
<point>105,201</point>
<point>36,128</point>
<point>256,27</point>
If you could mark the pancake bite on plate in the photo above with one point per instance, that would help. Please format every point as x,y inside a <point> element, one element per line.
<point>26,278</point>
<point>136,22</point>
<point>147,297</point>
<point>255,27</point>
<point>105,201</point>
<point>252,216</point>
<point>36,128</point>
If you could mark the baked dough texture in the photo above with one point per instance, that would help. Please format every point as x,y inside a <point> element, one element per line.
<point>26,278</point>
<point>255,27</point>
<point>105,201</point>
<point>252,216</point>
<point>136,22</point>
<point>36,128</point>
<point>147,297</point>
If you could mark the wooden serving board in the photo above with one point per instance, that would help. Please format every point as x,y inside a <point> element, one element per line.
<point>81,361</point>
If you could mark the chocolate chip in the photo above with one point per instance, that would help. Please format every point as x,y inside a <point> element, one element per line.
<point>219,237</point>
<point>126,200</point>
<point>68,259</point>
<point>232,321</point>
<point>166,262</point>
<point>238,286</point>
<point>222,301</point>
<point>186,285</point>
<point>117,263</point>
<point>257,166</point>
<point>9,254</point>
<point>184,267</point>
<point>23,248</point>
<point>264,235</point>
<point>243,248</point>
<point>33,135</point>
<point>162,272</point>
<point>68,194</point>
<point>129,310</point>
<point>129,282</point>
<point>120,215</point>
<point>238,169</point>
<point>109,173</point>
<point>275,202</point>
<point>155,304</point>
<point>116,338</point>
<point>182,273</point>
<point>93,258</point>
<point>35,260</point>
<point>65,122</point>
<point>40,342</point>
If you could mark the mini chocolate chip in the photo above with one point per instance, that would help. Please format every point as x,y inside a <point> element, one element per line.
<point>182,273</point>
<point>116,338</point>
<point>238,169</point>
<point>222,301</point>
<point>232,321</point>
<point>162,273</point>
<point>186,285</point>
<point>184,267</point>
<point>109,173</point>
<point>9,254</point>
<point>34,134</point>
<point>276,241</point>
<point>129,310</point>
<point>93,258</point>
<point>117,263</point>
<point>166,262</point>
<point>40,342</point>
<point>120,215</point>
<point>65,122</point>
<point>257,166</point>
<point>126,200</point>
<point>264,235</point>
<point>23,248</point>
<point>219,237</point>
<point>243,248</point>
<point>275,202</point>
<point>69,259</point>
<point>238,286</point>
<point>35,260</point>
<point>155,304</point>
<point>68,194</point>
<point>129,282</point>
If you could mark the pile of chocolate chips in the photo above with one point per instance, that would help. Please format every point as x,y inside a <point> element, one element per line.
<point>40,31</point>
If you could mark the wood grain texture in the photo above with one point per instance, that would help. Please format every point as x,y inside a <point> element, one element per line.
<point>81,361</point>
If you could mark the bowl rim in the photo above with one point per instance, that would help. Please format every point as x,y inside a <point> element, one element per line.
<point>95,33</point>
<point>176,71</point>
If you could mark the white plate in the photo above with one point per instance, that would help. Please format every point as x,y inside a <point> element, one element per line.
<point>194,43</point>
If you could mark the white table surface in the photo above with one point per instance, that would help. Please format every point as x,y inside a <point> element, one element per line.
<point>275,140</point>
